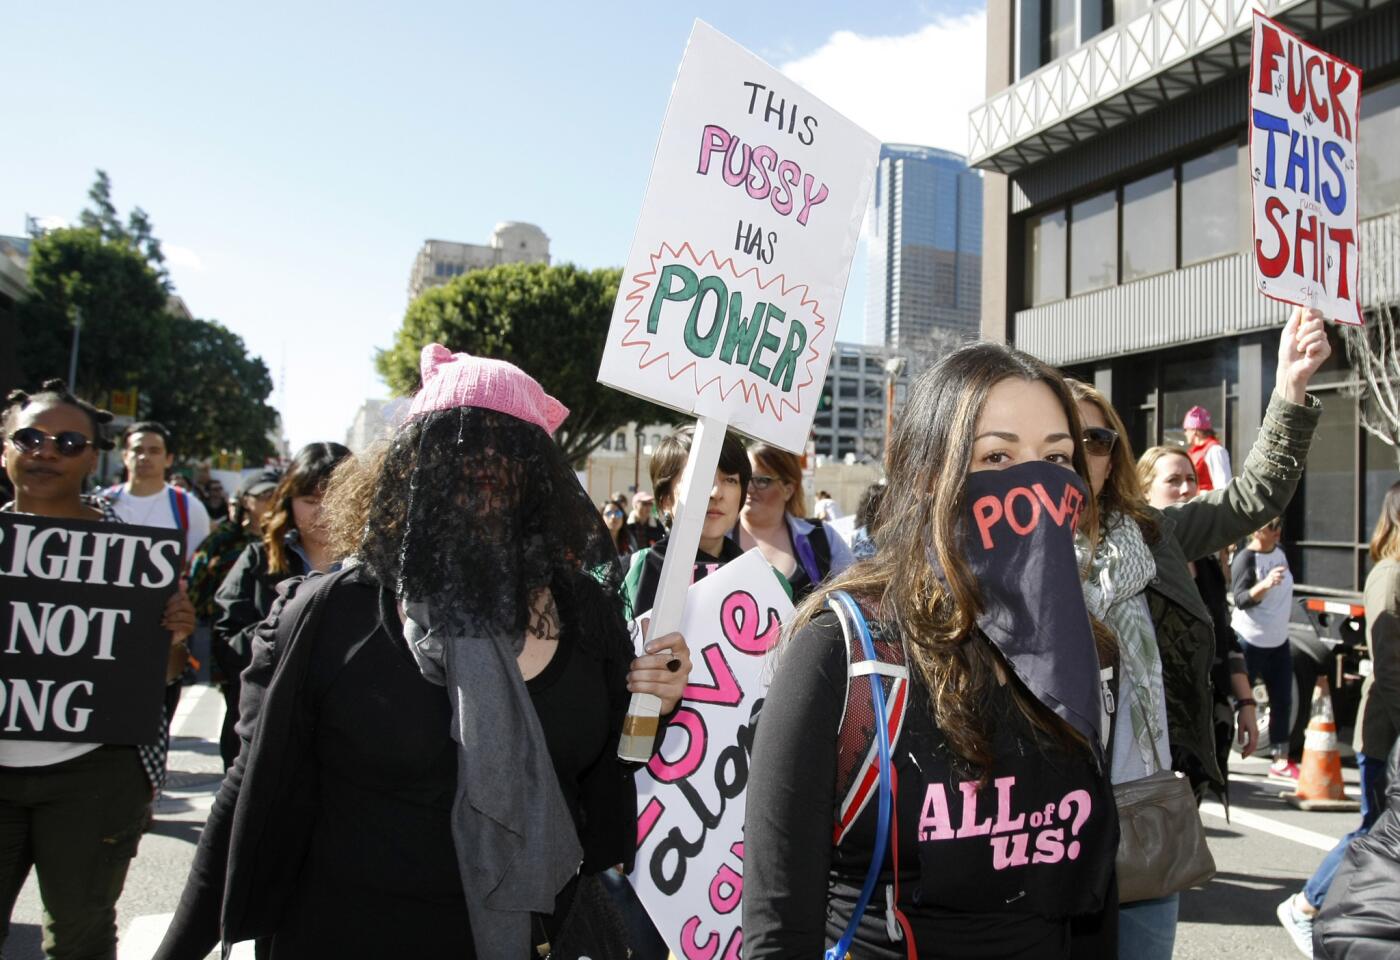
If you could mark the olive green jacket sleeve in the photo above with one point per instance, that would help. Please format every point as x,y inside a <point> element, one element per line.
<point>1214,520</point>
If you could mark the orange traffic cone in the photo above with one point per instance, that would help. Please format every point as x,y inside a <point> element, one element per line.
<point>1320,774</point>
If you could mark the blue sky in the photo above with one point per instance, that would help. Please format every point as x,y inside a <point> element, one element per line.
<point>293,157</point>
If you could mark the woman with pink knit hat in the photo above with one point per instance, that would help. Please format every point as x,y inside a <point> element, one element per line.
<point>429,736</point>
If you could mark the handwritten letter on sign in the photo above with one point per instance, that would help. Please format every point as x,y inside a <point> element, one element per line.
<point>732,290</point>
<point>690,828</point>
<point>1302,154</point>
<point>82,651</point>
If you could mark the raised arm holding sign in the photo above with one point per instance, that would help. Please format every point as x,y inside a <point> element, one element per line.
<point>733,286</point>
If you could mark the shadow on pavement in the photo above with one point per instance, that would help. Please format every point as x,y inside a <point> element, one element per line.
<point>1249,900</point>
<point>186,830</point>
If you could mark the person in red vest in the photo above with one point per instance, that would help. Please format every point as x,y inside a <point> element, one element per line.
<point>1208,455</point>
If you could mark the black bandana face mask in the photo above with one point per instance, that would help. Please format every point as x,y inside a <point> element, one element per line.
<point>1019,531</point>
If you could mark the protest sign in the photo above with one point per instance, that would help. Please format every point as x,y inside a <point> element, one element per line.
<point>732,291</point>
<point>82,651</point>
<point>1302,153</point>
<point>690,797</point>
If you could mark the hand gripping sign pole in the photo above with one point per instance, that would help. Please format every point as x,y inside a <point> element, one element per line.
<point>731,292</point>
<point>640,728</point>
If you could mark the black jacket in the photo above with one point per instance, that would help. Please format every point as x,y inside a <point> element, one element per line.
<point>1360,918</point>
<point>250,854</point>
<point>242,602</point>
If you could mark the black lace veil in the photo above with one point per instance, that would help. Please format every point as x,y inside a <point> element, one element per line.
<point>473,510</point>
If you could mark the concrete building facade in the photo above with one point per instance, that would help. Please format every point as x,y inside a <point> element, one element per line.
<point>1117,223</point>
<point>851,411</point>
<point>925,247</point>
<point>438,261</point>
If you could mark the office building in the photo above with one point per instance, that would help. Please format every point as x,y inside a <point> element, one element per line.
<point>925,246</point>
<point>438,261</point>
<point>375,420</point>
<point>850,418</point>
<point>1117,222</point>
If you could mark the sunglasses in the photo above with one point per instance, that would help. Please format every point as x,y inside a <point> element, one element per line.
<point>761,483</point>
<point>1099,441</point>
<point>69,443</point>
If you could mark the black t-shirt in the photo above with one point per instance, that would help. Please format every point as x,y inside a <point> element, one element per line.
<point>992,879</point>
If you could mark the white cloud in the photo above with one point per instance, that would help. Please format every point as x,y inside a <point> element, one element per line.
<point>182,257</point>
<point>916,88</point>
<point>51,222</point>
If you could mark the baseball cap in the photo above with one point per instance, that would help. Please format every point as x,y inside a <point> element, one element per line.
<point>256,484</point>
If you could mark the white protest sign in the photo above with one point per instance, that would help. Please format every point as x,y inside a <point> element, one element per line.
<point>690,797</point>
<point>732,291</point>
<point>1302,152</point>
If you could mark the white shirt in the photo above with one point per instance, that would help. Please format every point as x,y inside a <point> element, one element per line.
<point>156,511</point>
<point>1265,624</point>
<point>1218,465</point>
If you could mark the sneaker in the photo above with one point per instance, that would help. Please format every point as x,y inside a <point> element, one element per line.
<point>1298,925</point>
<point>1283,769</point>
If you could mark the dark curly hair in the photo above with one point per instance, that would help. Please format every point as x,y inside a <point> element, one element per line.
<point>56,391</point>
<point>475,510</point>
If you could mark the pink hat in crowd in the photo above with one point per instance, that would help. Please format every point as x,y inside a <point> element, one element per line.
<point>461,380</point>
<point>1197,418</point>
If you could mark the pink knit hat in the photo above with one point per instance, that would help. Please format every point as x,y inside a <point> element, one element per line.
<point>1197,418</point>
<point>461,380</point>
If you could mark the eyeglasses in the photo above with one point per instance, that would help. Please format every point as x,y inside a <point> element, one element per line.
<point>69,443</point>
<point>761,483</point>
<point>1099,441</point>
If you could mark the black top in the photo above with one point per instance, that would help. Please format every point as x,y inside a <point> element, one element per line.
<point>242,601</point>
<point>644,576</point>
<point>358,845</point>
<point>975,881</point>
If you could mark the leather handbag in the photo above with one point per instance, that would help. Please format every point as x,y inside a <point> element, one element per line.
<point>1161,846</point>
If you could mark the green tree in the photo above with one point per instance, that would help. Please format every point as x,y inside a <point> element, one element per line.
<point>109,286</point>
<point>213,396</point>
<point>551,321</point>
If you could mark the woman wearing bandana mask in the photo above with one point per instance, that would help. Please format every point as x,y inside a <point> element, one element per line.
<point>1140,583</point>
<point>1005,828</point>
<point>429,763</point>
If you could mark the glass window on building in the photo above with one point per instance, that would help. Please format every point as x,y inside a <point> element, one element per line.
<point>1093,251</point>
<point>1058,24</point>
<point>1046,244</point>
<point>1381,471</point>
<point>620,441</point>
<point>1125,10</point>
<point>1149,226</point>
<point>1378,145</point>
<point>1329,481</point>
<point>1210,211</point>
<point>1195,380</point>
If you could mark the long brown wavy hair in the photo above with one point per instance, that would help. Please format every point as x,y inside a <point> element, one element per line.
<point>921,515</point>
<point>307,476</point>
<point>1385,541</point>
<point>787,468</point>
<point>346,501</point>
<point>1122,492</point>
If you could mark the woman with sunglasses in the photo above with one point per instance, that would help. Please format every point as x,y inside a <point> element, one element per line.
<point>804,551</point>
<point>1139,583</point>
<point>74,812</point>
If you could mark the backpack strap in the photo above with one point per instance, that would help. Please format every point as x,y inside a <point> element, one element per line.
<point>853,622</point>
<point>179,507</point>
<point>858,755</point>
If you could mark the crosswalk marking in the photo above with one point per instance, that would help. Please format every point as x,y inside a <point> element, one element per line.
<point>1247,818</point>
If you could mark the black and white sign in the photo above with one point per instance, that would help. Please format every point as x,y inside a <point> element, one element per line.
<point>82,651</point>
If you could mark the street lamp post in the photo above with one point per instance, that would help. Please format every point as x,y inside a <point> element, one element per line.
<point>73,352</point>
<point>894,366</point>
<point>637,463</point>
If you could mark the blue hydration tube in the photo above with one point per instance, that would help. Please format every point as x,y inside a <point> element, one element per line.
<point>882,739</point>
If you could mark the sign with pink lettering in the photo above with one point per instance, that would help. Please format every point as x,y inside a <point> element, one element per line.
<point>732,291</point>
<point>690,798</point>
<point>1303,158</point>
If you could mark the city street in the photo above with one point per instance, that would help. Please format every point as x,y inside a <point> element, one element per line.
<point>1265,853</point>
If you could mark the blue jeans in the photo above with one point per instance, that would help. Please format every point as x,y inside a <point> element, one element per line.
<point>1274,666</point>
<point>1372,806</point>
<point>1147,928</point>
